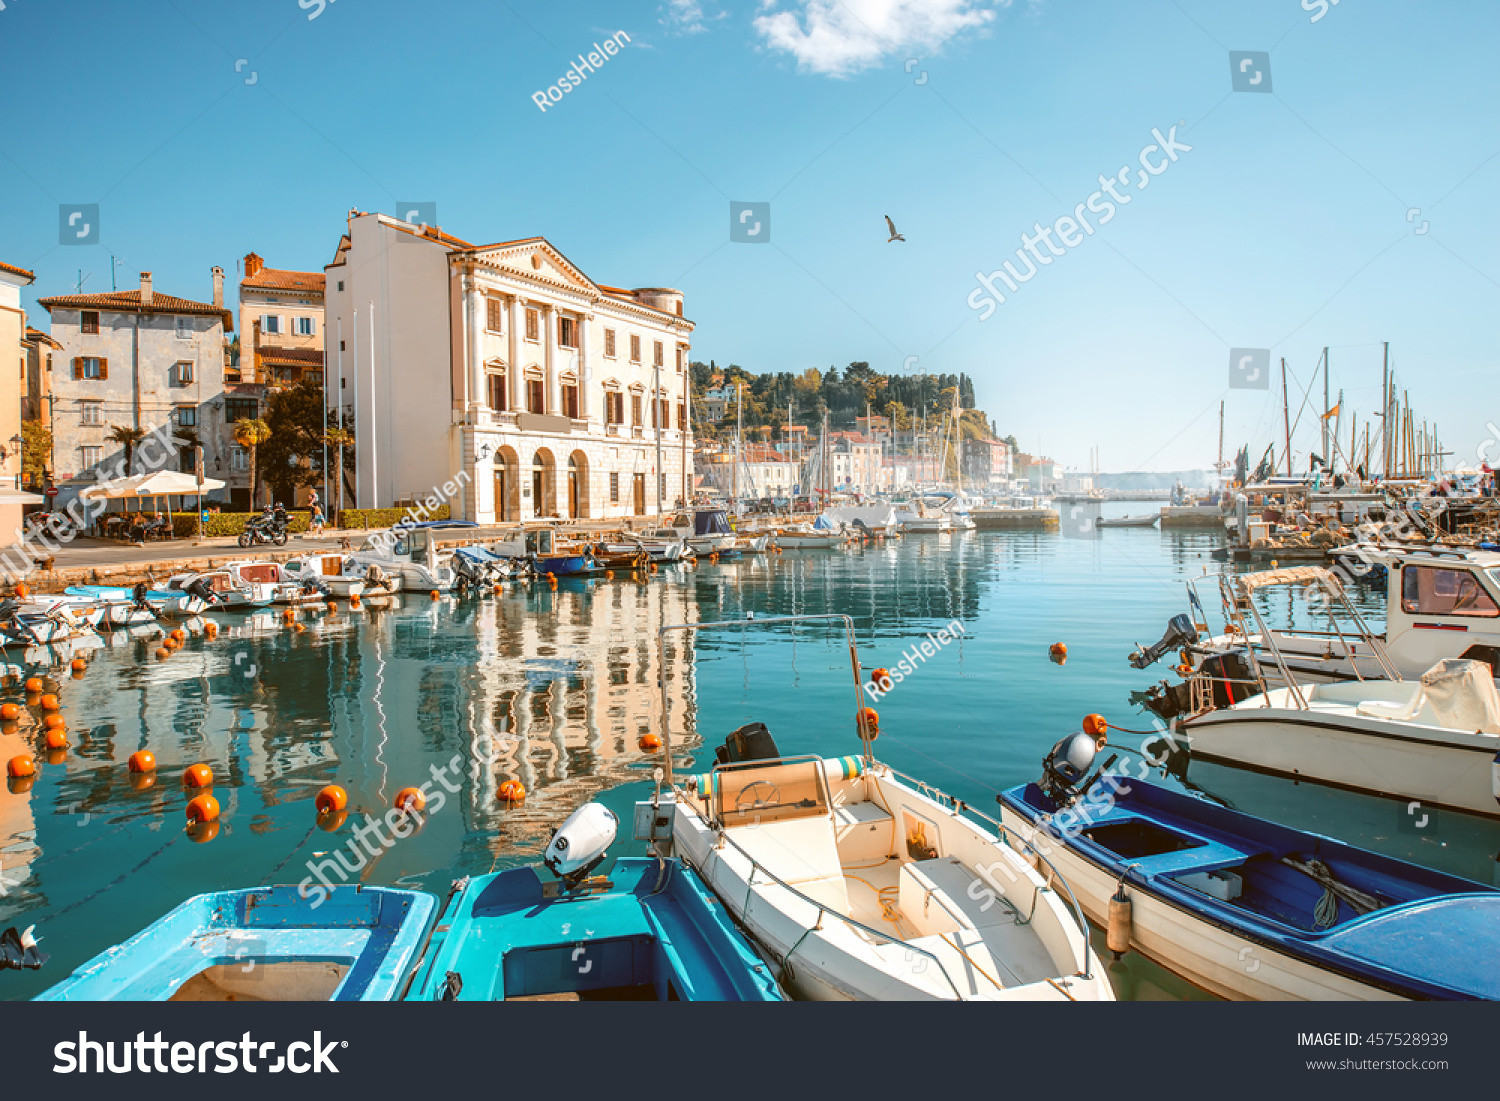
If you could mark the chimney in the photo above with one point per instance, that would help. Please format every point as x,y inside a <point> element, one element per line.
<point>253,264</point>
<point>145,288</point>
<point>218,288</point>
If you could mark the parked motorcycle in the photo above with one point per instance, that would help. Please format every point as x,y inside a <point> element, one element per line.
<point>268,527</point>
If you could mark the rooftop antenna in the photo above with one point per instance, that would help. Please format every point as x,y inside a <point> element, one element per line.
<point>82,278</point>
<point>114,262</point>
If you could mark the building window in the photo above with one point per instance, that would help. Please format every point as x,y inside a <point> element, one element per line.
<point>536,399</point>
<point>187,416</point>
<point>635,349</point>
<point>239,458</point>
<point>614,407</point>
<point>90,367</point>
<point>497,391</point>
<point>662,414</point>
<point>304,326</point>
<point>88,321</point>
<point>635,410</point>
<point>570,401</point>
<point>533,325</point>
<point>567,332</point>
<point>658,354</point>
<point>681,356</point>
<point>341,284</point>
<point>270,323</point>
<point>91,412</point>
<point>494,314</point>
<point>681,416</point>
<point>90,456</point>
<point>184,329</point>
<point>184,372</point>
<point>236,409</point>
<point>614,485</point>
<point>609,343</point>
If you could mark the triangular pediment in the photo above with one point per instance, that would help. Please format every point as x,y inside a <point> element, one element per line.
<point>536,258</point>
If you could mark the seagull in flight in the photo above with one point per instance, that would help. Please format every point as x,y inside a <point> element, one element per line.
<point>894,235</point>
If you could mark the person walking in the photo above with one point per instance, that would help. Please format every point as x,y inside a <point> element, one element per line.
<point>315,528</point>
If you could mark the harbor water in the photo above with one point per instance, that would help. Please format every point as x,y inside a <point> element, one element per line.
<point>554,688</point>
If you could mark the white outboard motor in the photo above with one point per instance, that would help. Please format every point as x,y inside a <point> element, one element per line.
<point>1064,768</point>
<point>580,843</point>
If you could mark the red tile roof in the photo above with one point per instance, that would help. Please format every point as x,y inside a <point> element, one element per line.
<point>41,338</point>
<point>310,357</point>
<point>279,279</point>
<point>130,302</point>
<point>30,276</point>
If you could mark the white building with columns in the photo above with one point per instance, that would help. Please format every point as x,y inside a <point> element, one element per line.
<point>556,395</point>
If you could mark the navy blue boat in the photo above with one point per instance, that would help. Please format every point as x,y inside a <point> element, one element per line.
<point>1246,908</point>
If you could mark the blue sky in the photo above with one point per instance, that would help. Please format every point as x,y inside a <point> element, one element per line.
<point>1287,226</point>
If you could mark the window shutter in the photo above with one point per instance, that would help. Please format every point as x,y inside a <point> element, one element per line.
<point>77,366</point>
<point>312,326</point>
<point>103,368</point>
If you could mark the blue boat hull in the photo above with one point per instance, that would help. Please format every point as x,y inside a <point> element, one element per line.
<point>265,944</point>
<point>1190,865</point>
<point>655,934</point>
<point>564,565</point>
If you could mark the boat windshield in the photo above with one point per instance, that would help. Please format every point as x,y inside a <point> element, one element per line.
<point>769,792</point>
<point>1437,590</point>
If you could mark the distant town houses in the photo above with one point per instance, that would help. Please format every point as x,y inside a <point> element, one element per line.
<point>13,335</point>
<point>556,395</point>
<point>130,363</point>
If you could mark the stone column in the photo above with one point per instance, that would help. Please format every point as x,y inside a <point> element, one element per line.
<point>549,342</point>
<point>585,369</point>
<point>516,385</point>
<point>474,302</point>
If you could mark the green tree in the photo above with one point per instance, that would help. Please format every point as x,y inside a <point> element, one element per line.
<point>338,440</point>
<point>251,432</point>
<point>127,438</point>
<point>36,452</point>
<point>294,454</point>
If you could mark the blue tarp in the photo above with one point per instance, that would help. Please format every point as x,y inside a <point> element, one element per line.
<point>711,522</point>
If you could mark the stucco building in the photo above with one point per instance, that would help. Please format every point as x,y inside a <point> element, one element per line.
<point>554,394</point>
<point>12,339</point>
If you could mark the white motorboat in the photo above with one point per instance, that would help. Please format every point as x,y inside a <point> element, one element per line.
<point>809,539</point>
<point>225,588</point>
<point>326,575</point>
<point>875,518</point>
<point>412,553</point>
<point>1146,521</point>
<point>45,619</point>
<point>660,545</point>
<point>858,883</point>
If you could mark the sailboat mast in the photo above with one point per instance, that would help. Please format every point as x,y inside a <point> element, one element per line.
<point>1286,422</point>
<point>1325,406</point>
<point>1385,409</point>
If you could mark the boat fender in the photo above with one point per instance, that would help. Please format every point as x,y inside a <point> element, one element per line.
<point>1117,933</point>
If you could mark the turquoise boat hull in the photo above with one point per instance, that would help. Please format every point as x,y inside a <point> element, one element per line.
<point>265,944</point>
<point>654,933</point>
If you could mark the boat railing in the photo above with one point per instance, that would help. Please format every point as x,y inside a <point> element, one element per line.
<point>722,838</point>
<point>957,807</point>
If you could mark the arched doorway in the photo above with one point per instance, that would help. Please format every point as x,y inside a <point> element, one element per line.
<point>507,485</point>
<point>578,485</point>
<point>543,484</point>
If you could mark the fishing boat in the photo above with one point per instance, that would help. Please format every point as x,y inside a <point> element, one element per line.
<point>325,575</point>
<point>1248,909</point>
<point>227,589</point>
<point>168,602</point>
<point>44,620</point>
<point>711,533</point>
<point>411,552</point>
<point>1433,739</point>
<point>541,549</point>
<point>341,943</point>
<point>1147,521</point>
<point>808,539</point>
<point>645,930</point>
<point>661,544</point>
<point>860,883</point>
<point>477,565</point>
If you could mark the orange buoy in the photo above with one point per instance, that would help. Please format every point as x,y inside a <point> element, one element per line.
<point>881,679</point>
<point>653,567</point>
<point>203,832</point>
<point>202,808</point>
<point>410,800</point>
<point>1184,669</point>
<point>162,653</point>
<point>512,791</point>
<point>551,576</point>
<point>78,665</point>
<point>53,720</point>
<point>20,765</point>
<point>332,799</point>
<point>22,591</point>
<point>198,776</point>
<point>609,575</point>
<point>56,738</point>
<point>179,634</point>
<point>869,722</point>
<point>34,685</point>
<point>49,702</point>
<point>140,781</point>
<point>210,628</point>
<point>10,712</point>
<point>649,742</point>
<point>143,760</point>
<point>1095,726</point>
<point>1059,651</point>
<point>332,606</point>
<point>330,823</point>
<point>354,600</point>
<point>434,594</point>
<point>299,627</point>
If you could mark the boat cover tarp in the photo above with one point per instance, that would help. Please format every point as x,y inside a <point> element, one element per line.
<point>1289,575</point>
<point>477,555</point>
<point>711,522</point>
<point>1463,696</point>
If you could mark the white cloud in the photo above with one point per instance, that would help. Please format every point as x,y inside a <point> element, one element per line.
<point>840,37</point>
<point>683,16</point>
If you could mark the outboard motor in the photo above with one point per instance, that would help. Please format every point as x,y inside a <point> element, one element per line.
<point>751,742</point>
<point>580,844</point>
<point>1180,632</point>
<point>1066,765</point>
<point>200,588</point>
<point>138,596</point>
<point>18,951</point>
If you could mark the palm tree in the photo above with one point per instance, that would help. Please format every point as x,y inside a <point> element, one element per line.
<point>338,439</point>
<point>251,432</point>
<point>127,438</point>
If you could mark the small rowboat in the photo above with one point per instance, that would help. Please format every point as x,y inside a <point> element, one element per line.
<point>265,944</point>
<point>1248,909</point>
<point>1127,521</point>
<point>808,540</point>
